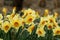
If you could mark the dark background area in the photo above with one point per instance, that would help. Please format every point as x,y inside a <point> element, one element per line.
<point>34,4</point>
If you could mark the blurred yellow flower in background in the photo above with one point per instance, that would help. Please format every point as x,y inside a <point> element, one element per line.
<point>14,10</point>
<point>37,14</point>
<point>1,17</point>
<point>55,14</point>
<point>6,26</point>
<point>56,31</point>
<point>40,32</point>
<point>4,11</point>
<point>46,12</point>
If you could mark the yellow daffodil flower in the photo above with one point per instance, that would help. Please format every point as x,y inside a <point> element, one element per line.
<point>55,24</point>
<point>6,26</point>
<point>56,31</point>
<point>28,12</point>
<point>16,23</point>
<point>52,20</point>
<point>49,26</point>
<point>40,32</point>
<point>46,12</point>
<point>29,19</point>
<point>43,22</point>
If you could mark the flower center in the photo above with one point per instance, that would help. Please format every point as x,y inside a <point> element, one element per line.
<point>58,32</point>
<point>43,22</point>
<point>30,19</point>
<point>32,28</point>
<point>39,32</point>
<point>51,20</point>
<point>6,27</point>
<point>16,24</point>
<point>49,26</point>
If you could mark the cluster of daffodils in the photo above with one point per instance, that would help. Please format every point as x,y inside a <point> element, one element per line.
<point>29,17</point>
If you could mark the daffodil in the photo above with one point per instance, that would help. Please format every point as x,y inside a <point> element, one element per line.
<point>50,26</point>
<point>1,21</point>
<point>37,15</point>
<point>25,13</point>
<point>22,22</point>
<point>17,16</point>
<point>14,9</point>
<point>55,24</point>
<point>28,12</point>
<point>31,28</point>
<point>16,23</point>
<point>6,26</point>
<point>46,12</point>
<point>40,32</point>
<point>29,19</point>
<point>51,19</point>
<point>1,17</point>
<point>55,14</point>
<point>56,31</point>
<point>4,11</point>
<point>43,22</point>
<point>12,15</point>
